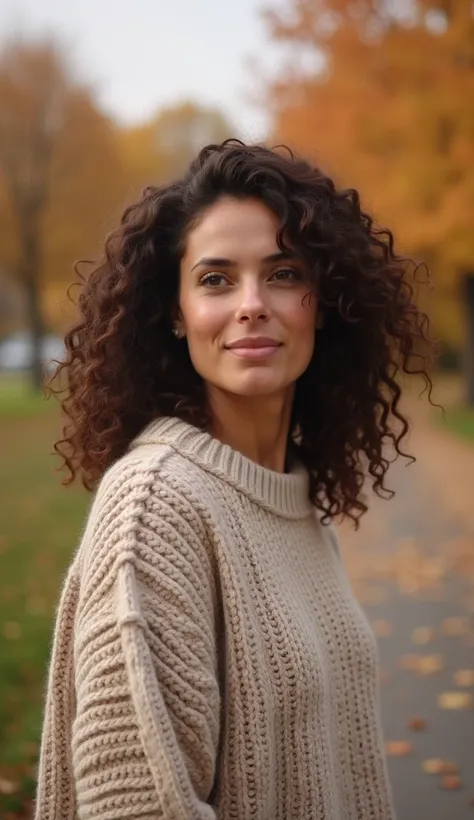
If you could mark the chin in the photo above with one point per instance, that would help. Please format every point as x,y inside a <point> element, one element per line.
<point>256,386</point>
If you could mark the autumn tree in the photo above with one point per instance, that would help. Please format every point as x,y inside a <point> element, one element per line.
<point>383,100</point>
<point>161,149</point>
<point>60,174</point>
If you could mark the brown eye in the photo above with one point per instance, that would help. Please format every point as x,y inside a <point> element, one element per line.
<point>287,275</point>
<point>213,280</point>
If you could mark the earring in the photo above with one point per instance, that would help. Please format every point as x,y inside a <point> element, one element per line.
<point>175,332</point>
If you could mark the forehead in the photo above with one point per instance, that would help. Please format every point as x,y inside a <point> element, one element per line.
<point>233,228</point>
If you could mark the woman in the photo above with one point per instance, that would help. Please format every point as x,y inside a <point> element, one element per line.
<point>230,384</point>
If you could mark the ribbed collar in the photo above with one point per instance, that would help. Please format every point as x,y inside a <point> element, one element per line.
<point>285,494</point>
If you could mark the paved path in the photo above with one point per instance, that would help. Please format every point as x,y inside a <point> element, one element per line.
<point>412,567</point>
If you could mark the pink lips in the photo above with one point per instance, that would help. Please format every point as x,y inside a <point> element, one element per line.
<point>254,347</point>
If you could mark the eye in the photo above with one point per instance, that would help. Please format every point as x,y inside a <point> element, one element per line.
<point>287,275</point>
<point>213,280</point>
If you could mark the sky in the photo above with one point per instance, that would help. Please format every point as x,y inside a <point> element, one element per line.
<point>141,55</point>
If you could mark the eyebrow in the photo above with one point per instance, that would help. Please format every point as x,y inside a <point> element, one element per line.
<point>220,262</point>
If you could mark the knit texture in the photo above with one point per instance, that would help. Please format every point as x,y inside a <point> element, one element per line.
<point>210,661</point>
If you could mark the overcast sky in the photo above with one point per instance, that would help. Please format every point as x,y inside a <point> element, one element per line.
<point>143,54</point>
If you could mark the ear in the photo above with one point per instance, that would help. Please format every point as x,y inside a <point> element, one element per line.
<point>179,328</point>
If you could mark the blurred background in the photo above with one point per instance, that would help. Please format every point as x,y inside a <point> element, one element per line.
<point>100,98</point>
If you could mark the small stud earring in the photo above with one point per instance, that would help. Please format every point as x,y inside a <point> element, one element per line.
<point>175,332</point>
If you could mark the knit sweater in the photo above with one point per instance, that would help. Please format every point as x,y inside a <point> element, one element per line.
<point>210,661</point>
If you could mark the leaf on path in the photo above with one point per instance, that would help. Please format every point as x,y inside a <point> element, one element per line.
<point>422,664</point>
<point>455,700</point>
<point>398,748</point>
<point>382,629</point>
<point>433,765</point>
<point>450,782</point>
<point>429,664</point>
<point>455,626</point>
<point>422,635</point>
<point>417,724</point>
<point>12,630</point>
<point>409,661</point>
<point>449,768</point>
<point>464,677</point>
<point>7,786</point>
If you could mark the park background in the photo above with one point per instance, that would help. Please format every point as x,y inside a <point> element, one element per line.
<point>99,99</point>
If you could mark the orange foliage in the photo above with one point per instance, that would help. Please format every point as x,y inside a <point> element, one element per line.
<point>391,113</point>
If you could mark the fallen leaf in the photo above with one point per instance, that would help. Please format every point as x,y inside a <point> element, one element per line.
<point>36,606</point>
<point>449,768</point>
<point>450,782</point>
<point>409,661</point>
<point>398,748</point>
<point>433,765</point>
<point>455,700</point>
<point>429,664</point>
<point>464,677</point>
<point>455,626</point>
<point>422,635</point>
<point>12,630</point>
<point>7,786</point>
<point>382,629</point>
<point>417,724</point>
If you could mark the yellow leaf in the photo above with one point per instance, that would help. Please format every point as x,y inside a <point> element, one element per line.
<point>429,664</point>
<point>382,629</point>
<point>7,786</point>
<point>398,748</point>
<point>433,765</point>
<point>455,700</point>
<point>455,626</point>
<point>464,677</point>
<point>422,635</point>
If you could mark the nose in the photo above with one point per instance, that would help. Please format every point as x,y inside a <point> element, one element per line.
<point>252,305</point>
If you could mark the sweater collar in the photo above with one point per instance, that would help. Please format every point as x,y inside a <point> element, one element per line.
<point>285,494</point>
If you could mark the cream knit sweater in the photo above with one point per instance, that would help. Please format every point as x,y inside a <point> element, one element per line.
<point>209,658</point>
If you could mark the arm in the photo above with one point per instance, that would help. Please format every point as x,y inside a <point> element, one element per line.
<point>146,723</point>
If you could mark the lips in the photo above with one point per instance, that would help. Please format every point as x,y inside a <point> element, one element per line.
<point>254,348</point>
<point>253,343</point>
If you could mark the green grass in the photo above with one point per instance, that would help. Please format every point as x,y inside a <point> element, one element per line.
<point>18,400</point>
<point>40,523</point>
<point>459,420</point>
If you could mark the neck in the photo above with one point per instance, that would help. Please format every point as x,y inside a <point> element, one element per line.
<point>257,428</point>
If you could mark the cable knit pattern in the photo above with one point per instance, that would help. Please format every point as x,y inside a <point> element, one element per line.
<point>210,661</point>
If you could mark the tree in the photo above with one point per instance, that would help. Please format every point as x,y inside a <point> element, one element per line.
<point>60,173</point>
<point>161,149</point>
<point>390,111</point>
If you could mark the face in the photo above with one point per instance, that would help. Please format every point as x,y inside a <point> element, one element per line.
<point>244,306</point>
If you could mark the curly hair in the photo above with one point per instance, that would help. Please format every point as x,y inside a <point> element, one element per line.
<point>124,367</point>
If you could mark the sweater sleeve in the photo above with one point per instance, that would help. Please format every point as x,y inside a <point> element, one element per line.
<point>145,727</point>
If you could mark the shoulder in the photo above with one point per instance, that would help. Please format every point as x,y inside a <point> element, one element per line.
<point>141,501</point>
<point>329,535</point>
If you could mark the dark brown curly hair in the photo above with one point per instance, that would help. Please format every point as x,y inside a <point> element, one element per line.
<point>124,367</point>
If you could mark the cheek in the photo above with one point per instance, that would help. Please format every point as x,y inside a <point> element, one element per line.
<point>300,315</point>
<point>204,319</point>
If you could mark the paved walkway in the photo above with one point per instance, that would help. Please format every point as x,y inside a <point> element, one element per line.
<point>412,568</point>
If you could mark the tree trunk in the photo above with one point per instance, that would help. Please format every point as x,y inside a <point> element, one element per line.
<point>30,275</point>
<point>469,353</point>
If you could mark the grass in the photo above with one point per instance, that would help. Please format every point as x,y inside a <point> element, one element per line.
<point>40,523</point>
<point>17,400</point>
<point>460,421</point>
